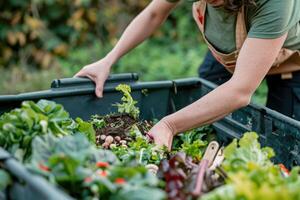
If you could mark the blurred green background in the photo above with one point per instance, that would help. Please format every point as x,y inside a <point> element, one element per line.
<point>41,40</point>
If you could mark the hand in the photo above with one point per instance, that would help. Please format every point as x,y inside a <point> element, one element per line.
<point>97,72</point>
<point>162,134</point>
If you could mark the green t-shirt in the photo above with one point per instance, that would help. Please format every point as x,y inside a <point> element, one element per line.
<point>267,20</point>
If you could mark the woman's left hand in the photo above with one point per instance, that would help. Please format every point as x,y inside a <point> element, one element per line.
<point>162,134</point>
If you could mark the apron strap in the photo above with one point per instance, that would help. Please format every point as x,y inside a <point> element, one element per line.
<point>241,30</point>
<point>199,9</point>
<point>286,62</point>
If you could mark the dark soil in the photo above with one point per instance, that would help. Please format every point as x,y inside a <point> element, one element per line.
<point>119,125</point>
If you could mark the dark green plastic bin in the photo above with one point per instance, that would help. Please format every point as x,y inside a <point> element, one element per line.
<point>158,98</point>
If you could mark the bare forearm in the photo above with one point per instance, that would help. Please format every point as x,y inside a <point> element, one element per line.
<point>210,108</point>
<point>141,28</point>
<point>255,60</point>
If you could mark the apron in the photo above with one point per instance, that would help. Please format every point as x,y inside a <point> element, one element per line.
<point>286,62</point>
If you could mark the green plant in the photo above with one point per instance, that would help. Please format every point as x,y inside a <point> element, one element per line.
<point>128,105</point>
<point>252,175</point>
<point>98,123</point>
<point>38,32</point>
<point>246,154</point>
<point>19,126</point>
<point>85,128</point>
<point>5,180</point>
<point>193,142</point>
<point>141,150</point>
<point>86,172</point>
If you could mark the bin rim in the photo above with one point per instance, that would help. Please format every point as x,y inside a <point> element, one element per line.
<point>262,109</point>
<point>85,86</point>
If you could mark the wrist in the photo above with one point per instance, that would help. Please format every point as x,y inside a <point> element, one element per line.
<point>168,122</point>
<point>111,58</point>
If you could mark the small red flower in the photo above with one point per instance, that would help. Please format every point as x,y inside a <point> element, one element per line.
<point>120,181</point>
<point>88,180</point>
<point>102,173</point>
<point>102,164</point>
<point>44,167</point>
<point>284,169</point>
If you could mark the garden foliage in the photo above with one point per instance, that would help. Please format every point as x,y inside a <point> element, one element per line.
<point>36,32</point>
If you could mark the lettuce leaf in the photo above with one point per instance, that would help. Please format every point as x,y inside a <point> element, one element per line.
<point>246,154</point>
<point>252,175</point>
<point>21,125</point>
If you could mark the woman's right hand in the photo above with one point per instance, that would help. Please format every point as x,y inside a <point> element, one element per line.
<point>97,72</point>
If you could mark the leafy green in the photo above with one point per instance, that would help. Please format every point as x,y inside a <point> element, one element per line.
<point>251,174</point>
<point>5,180</point>
<point>141,150</point>
<point>86,128</point>
<point>246,154</point>
<point>133,181</point>
<point>63,151</point>
<point>67,161</point>
<point>86,172</point>
<point>195,149</point>
<point>128,105</point>
<point>262,183</point>
<point>138,193</point>
<point>19,126</point>
<point>75,146</point>
<point>98,123</point>
<point>191,142</point>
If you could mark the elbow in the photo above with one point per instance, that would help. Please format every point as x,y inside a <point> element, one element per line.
<point>242,100</point>
<point>155,14</point>
<point>156,17</point>
<point>241,96</point>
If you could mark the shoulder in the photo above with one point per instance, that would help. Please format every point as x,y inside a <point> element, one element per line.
<point>272,18</point>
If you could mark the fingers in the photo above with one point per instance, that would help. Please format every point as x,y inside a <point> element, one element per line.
<point>149,137</point>
<point>100,80</point>
<point>170,144</point>
<point>83,72</point>
<point>99,83</point>
<point>99,89</point>
<point>80,73</point>
<point>160,142</point>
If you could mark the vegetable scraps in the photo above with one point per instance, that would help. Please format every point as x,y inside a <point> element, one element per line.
<point>125,135</point>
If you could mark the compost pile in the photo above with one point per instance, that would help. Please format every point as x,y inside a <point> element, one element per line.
<point>110,157</point>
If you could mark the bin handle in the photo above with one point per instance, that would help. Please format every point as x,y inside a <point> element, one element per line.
<point>71,82</point>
